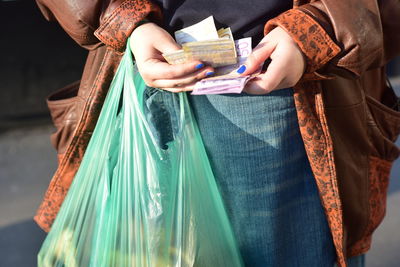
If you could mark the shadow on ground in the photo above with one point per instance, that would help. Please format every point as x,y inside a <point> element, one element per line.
<point>20,244</point>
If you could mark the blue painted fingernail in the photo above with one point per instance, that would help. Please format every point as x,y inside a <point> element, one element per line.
<point>210,73</point>
<point>199,66</point>
<point>241,69</point>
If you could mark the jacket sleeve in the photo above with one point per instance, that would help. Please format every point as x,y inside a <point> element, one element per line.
<point>97,22</point>
<point>343,37</point>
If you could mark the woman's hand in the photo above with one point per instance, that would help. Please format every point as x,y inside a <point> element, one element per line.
<point>286,67</point>
<point>148,42</point>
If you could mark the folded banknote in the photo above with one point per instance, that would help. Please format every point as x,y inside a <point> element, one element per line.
<point>203,42</point>
<point>227,80</point>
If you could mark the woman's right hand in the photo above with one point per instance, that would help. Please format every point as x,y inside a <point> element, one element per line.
<point>148,42</point>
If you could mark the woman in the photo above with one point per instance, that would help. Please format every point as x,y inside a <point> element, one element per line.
<point>264,173</point>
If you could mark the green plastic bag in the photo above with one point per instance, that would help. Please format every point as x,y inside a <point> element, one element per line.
<point>137,202</point>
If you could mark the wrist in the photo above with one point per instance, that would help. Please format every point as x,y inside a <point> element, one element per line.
<point>140,28</point>
<point>142,22</point>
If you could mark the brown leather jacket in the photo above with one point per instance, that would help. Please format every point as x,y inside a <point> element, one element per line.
<point>348,115</point>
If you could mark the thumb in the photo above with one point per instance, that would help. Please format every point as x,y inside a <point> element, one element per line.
<point>167,45</point>
<point>257,57</point>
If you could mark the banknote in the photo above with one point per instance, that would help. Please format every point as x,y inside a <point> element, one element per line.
<point>227,80</point>
<point>220,52</point>
<point>225,33</point>
<point>216,53</point>
<point>176,57</point>
<point>202,31</point>
<point>243,49</point>
<point>224,85</point>
<point>203,42</point>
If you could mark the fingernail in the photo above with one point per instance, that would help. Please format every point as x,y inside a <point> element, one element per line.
<point>241,69</point>
<point>199,66</point>
<point>210,73</point>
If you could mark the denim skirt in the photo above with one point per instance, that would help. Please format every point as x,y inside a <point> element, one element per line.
<point>260,164</point>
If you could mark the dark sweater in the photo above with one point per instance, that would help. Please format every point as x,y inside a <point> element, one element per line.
<point>246,18</point>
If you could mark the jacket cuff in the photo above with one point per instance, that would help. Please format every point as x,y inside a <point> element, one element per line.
<point>116,29</point>
<point>316,45</point>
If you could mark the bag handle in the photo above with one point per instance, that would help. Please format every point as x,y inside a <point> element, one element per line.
<point>133,79</point>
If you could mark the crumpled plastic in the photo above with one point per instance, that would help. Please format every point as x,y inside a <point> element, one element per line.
<point>144,194</point>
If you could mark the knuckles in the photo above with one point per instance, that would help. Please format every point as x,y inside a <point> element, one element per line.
<point>148,82</point>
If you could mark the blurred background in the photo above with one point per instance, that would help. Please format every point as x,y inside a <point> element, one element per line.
<point>38,58</point>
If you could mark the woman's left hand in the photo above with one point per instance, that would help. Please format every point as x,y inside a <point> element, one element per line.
<point>286,68</point>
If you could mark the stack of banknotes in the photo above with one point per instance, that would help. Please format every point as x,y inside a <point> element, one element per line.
<point>203,42</point>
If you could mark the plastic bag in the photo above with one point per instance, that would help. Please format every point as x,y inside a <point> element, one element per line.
<point>144,194</point>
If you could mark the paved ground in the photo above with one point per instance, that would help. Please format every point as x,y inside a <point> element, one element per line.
<point>27,162</point>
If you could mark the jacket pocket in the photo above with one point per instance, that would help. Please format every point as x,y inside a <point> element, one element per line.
<point>384,125</point>
<point>383,119</point>
<point>64,113</point>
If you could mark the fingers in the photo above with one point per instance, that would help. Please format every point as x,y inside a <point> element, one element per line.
<point>152,36</point>
<point>272,79</point>
<point>258,87</point>
<point>162,75</point>
<point>255,87</point>
<point>168,45</point>
<point>186,88</point>
<point>148,42</point>
<point>257,58</point>
<point>155,69</point>
<point>182,81</point>
<point>286,67</point>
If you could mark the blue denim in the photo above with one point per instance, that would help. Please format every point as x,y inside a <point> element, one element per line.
<point>258,158</point>
<point>259,161</point>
